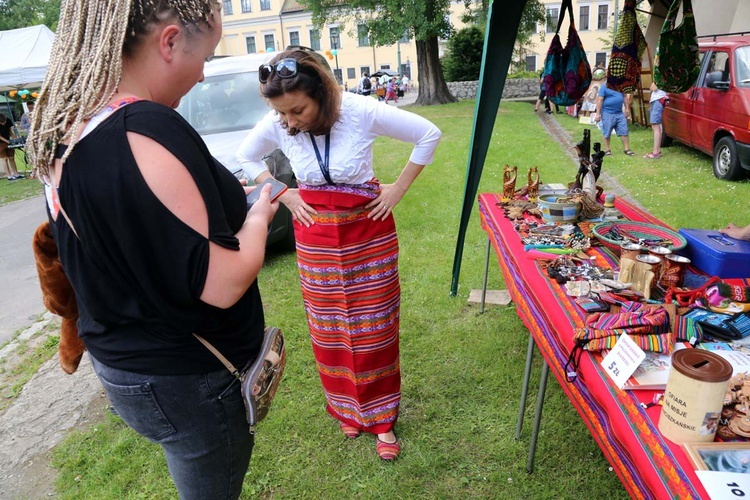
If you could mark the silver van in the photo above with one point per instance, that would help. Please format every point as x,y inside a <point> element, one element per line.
<point>223,108</point>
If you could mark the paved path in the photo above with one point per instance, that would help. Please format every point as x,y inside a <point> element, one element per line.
<point>20,296</point>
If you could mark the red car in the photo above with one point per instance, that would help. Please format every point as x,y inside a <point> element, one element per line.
<point>714,115</point>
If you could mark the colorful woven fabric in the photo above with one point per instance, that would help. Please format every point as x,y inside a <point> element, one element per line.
<point>567,73</point>
<point>647,464</point>
<point>624,70</point>
<point>348,268</point>
<point>647,326</point>
<point>677,58</point>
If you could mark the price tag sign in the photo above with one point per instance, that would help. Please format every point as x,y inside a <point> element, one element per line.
<point>622,360</point>
<point>725,485</point>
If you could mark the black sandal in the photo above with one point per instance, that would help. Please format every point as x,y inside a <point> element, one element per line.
<point>628,152</point>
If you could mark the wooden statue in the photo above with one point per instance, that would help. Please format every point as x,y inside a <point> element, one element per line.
<point>533,184</point>
<point>509,183</point>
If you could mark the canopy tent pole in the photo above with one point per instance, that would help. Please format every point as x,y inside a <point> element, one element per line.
<point>502,27</point>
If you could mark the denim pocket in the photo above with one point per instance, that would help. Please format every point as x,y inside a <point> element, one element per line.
<point>137,406</point>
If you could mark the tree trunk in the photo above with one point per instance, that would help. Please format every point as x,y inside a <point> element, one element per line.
<point>432,86</point>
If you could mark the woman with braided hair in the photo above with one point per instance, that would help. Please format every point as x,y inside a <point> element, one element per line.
<point>153,234</point>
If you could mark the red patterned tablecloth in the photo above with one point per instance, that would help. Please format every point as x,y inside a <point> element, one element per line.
<point>648,465</point>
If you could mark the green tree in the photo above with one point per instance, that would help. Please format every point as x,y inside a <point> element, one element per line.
<point>464,59</point>
<point>533,13</point>
<point>23,13</point>
<point>387,21</point>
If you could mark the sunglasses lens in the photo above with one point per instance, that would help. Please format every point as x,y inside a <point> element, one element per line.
<point>286,68</point>
<point>264,73</point>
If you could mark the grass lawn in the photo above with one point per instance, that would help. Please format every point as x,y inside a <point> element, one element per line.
<point>20,189</point>
<point>461,370</point>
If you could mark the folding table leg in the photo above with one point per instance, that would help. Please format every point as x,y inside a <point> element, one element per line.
<point>525,387</point>
<point>537,417</point>
<point>486,270</point>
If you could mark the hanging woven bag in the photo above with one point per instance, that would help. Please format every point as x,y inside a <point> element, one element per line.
<point>624,70</point>
<point>567,74</point>
<point>676,62</point>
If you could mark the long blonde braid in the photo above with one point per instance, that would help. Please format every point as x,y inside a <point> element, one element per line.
<point>85,64</point>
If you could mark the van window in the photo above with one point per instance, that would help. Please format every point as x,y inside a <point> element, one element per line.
<point>718,67</point>
<point>742,66</point>
<point>224,103</point>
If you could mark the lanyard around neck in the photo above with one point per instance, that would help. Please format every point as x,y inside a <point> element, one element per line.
<point>323,165</point>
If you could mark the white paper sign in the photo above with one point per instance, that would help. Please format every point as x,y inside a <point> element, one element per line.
<point>622,360</point>
<point>724,485</point>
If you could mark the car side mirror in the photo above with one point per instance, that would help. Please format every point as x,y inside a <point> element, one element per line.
<point>720,85</point>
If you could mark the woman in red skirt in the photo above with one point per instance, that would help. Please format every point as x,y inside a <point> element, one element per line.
<point>347,249</point>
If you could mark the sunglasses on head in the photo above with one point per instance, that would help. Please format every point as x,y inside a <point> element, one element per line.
<point>285,68</point>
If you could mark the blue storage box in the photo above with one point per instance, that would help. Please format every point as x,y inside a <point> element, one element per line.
<point>716,254</point>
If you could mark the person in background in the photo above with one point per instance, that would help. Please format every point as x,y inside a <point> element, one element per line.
<point>347,247</point>
<point>152,232</point>
<point>365,84</point>
<point>737,232</point>
<point>613,112</point>
<point>657,102</point>
<point>542,97</point>
<point>390,91</point>
<point>7,154</point>
<point>26,118</point>
<point>405,82</point>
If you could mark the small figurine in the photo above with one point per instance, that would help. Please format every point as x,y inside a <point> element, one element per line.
<point>509,183</point>
<point>533,184</point>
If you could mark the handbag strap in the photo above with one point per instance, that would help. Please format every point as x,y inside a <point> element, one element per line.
<point>671,20</point>
<point>566,5</point>
<point>228,364</point>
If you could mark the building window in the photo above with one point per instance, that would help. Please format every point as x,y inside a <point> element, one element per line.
<point>247,5</point>
<point>315,39</point>
<point>364,69</point>
<point>227,10</point>
<point>363,37</point>
<point>600,60</point>
<point>265,4</point>
<point>270,46</point>
<point>351,73</point>
<point>385,66</point>
<point>583,18</point>
<point>530,63</point>
<point>553,15</point>
<point>250,45</point>
<point>602,18</point>
<point>294,38</point>
<point>333,34</point>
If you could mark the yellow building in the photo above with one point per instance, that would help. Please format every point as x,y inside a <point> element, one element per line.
<point>252,26</point>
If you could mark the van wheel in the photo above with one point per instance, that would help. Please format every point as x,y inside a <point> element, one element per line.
<point>666,141</point>
<point>726,161</point>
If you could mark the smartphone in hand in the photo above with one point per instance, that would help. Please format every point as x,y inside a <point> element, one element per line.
<point>277,189</point>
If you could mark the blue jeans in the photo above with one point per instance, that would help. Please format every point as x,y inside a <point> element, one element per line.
<point>616,122</point>
<point>199,421</point>
<point>657,109</point>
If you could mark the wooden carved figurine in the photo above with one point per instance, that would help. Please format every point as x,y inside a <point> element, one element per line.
<point>533,184</point>
<point>509,183</point>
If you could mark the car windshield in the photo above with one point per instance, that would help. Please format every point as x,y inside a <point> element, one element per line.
<point>742,66</point>
<point>224,103</point>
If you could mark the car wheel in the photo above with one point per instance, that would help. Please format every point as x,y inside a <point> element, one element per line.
<point>287,243</point>
<point>666,141</point>
<point>726,161</point>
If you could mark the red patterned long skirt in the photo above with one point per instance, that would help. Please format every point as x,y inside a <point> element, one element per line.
<point>348,267</point>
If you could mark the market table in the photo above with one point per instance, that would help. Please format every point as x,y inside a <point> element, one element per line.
<point>648,465</point>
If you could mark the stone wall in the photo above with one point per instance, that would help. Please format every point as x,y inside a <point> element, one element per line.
<point>514,88</point>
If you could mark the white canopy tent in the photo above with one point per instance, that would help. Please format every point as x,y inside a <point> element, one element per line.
<point>25,54</point>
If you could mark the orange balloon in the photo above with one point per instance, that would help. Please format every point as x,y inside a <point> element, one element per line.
<point>13,93</point>
<point>35,94</point>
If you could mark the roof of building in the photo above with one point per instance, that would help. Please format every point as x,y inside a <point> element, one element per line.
<point>291,6</point>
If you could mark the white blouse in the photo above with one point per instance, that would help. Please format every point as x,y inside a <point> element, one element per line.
<point>362,120</point>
